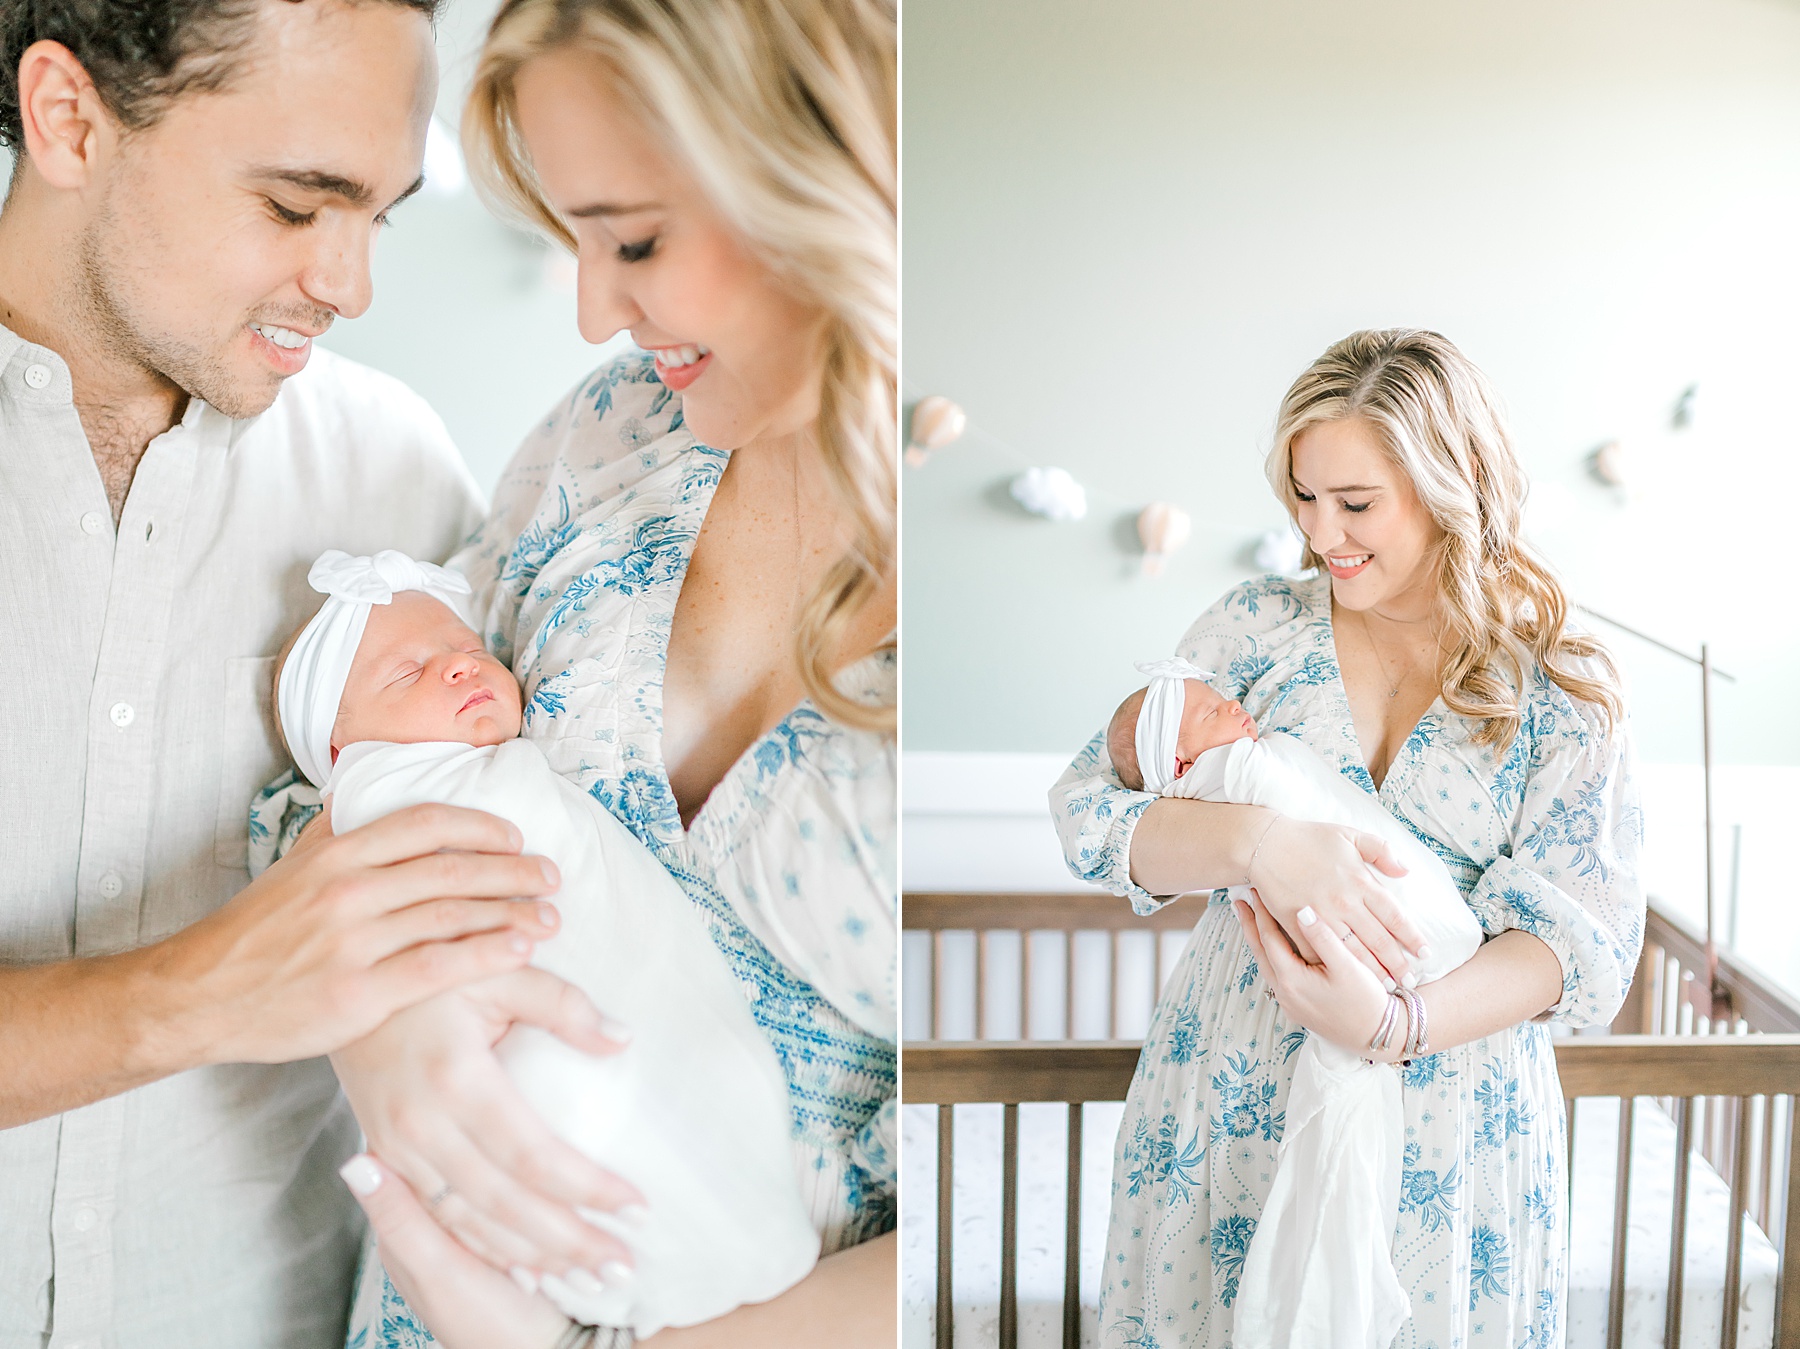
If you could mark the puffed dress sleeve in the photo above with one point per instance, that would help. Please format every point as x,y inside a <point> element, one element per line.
<point>1094,813</point>
<point>1572,877</point>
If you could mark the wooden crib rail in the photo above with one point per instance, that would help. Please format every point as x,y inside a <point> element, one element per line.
<point>1744,1069</point>
<point>1668,995</point>
<point>1067,912</point>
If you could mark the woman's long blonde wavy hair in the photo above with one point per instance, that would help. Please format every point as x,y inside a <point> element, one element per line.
<point>784,110</point>
<point>1501,608</point>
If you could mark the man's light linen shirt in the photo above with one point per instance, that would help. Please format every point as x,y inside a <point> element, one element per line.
<point>202,1211</point>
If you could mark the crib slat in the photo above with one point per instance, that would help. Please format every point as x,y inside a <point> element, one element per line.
<point>1765,1171</point>
<point>981,959</point>
<point>1615,1289</point>
<point>937,967</point>
<point>1684,1141</point>
<point>946,1330</point>
<point>1009,1228</point>
<point>1112,991</point>
<point>1068,985</point>
<point>1072,1236</point>
<point>1025,985</point>
<point>1787,1307</point>
<point>1160,975</point>
<point>1734,1239</point>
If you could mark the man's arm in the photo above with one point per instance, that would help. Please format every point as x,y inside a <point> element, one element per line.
<point>317,952</point>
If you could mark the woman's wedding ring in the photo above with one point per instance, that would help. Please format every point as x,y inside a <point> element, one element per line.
<point>438,1198</point>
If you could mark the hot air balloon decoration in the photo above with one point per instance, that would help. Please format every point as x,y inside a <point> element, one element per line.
<point>1162,528</point>
<point>936,422</point>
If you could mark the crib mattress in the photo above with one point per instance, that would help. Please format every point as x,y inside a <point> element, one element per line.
<point>975,1281</point>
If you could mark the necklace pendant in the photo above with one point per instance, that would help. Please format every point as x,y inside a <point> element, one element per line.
<point>1394,692</point>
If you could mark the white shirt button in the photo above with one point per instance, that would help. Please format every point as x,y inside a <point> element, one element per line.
<point>85,1218</point>
<point>122,714</point>
<point>92,523</point>
<point>111,885</point>
<point>37,376</point>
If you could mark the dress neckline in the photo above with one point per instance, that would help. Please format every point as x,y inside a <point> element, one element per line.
<point>1406,757</point>
<point>685,522</point>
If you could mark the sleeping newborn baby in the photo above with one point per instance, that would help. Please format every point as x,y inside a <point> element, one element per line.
<point>387,699</point>
<point>1330,1215</point>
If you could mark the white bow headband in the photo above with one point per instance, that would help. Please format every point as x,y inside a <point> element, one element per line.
<point>318,666</point>
<point>1159,720</point>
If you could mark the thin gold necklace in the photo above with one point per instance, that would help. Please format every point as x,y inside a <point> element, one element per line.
<point>1392,683</point>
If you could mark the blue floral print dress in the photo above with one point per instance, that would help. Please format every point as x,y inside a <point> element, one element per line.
<point>791,860</point>
<point>1543,837</point>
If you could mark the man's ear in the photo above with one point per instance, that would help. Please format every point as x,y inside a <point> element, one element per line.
<point>67,127</point>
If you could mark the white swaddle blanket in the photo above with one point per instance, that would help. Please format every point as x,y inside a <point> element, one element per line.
<point>694,1112</point>
<point>1320,1268</point>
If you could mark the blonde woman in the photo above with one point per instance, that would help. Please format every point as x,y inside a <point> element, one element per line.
<point>689,565</point>
<point>1430,659</point>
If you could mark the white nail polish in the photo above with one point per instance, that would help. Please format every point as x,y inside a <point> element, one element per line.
<point>615,1030</point>
<point>361,1174</point>
<point>1387,983</point>
<point>584,1283</point>
<point>527,1281</point>
<point>1411,980</point>
<point>617,1274</point>
<point>1307,917</point>
<point>633,1215</point>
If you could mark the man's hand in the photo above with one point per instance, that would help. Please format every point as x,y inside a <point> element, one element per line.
<point>339,935</point>
<point>438,1107</point>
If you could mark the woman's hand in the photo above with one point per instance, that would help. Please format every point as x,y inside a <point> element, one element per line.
<point>1332,870</point>
<point>1338,999</point>
<point>465,1303</point>
<point>438,1108</point>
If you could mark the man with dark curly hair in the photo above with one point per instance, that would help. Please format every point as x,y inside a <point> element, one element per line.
<point>197,189</point>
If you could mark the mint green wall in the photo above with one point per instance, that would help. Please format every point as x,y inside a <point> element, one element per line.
<point>1128,226</point>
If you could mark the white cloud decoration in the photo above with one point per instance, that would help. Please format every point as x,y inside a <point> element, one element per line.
<point>1051,493</point>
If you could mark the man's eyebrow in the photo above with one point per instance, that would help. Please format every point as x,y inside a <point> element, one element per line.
<point>317,180</point>
<point>606,208</point>
<point>416,184</point>
<point>333,184</point>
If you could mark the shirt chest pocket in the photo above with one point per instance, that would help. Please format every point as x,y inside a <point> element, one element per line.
<point>250,754</point>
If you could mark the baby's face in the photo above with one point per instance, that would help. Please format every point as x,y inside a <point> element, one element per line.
<point>420,675</point>
<point>1207,721</point>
